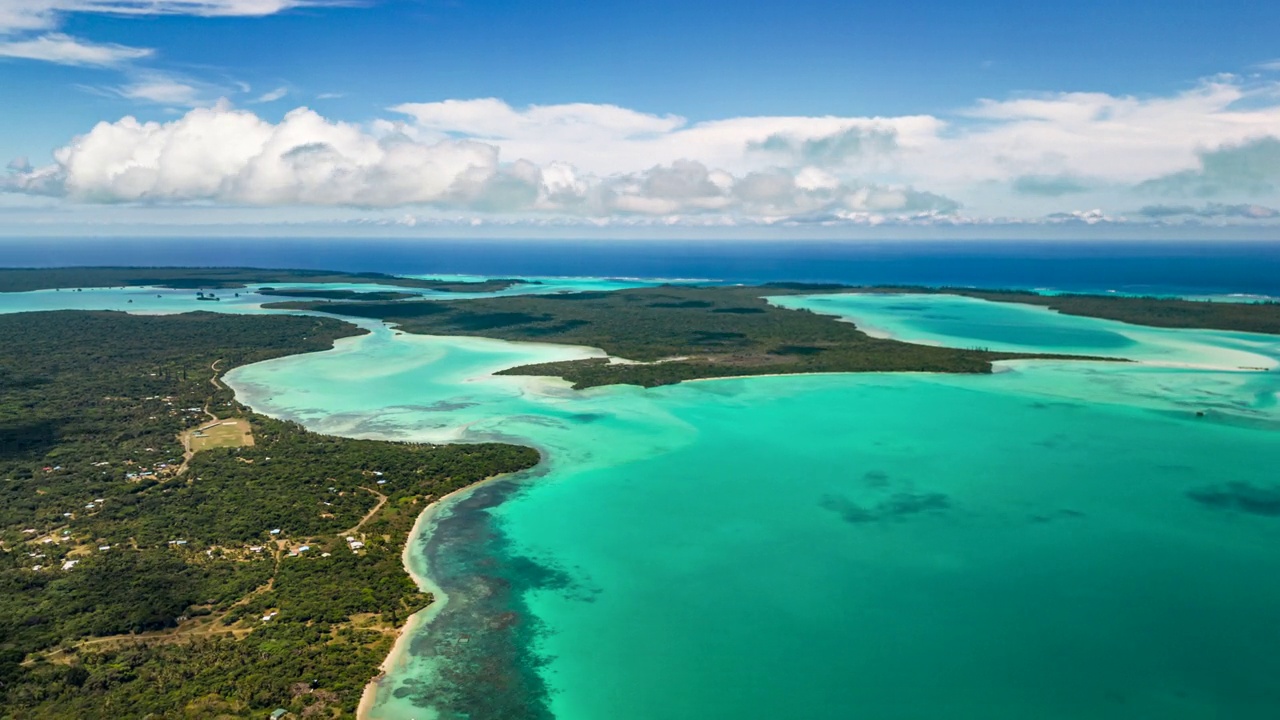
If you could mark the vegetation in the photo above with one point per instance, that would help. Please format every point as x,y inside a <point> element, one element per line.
<point>134,582</point>
<point>380,296</point>
<point>674,334</point>
<point>1258,317</point>
<point>26,279</point>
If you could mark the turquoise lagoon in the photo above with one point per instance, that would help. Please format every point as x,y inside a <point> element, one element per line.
<point>149,300</point>
<point>1055,540</point>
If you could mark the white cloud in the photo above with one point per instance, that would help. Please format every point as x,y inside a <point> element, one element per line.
<point>232,156</point>
<point>1114,141</point>
<point>27,15</point>
<point>606,139</point>
<point>1250,168</point>
<point>223,155</point>
<point>66,50</point>
<point>272,96</point>
<point>29,28</point>
<point>494,119</point>
<point>162,90</point>
<point>1016,160</point>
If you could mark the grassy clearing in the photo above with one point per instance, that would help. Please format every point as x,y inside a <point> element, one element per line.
<point>224,433</point>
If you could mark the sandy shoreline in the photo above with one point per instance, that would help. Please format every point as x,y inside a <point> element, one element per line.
<point>398,655</point>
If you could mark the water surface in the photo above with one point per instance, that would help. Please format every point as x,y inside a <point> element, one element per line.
<point>1056,540</point>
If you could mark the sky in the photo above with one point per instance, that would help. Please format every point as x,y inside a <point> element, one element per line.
<point>805,118</point>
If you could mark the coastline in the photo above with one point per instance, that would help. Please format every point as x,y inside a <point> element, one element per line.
<point>397,656</point>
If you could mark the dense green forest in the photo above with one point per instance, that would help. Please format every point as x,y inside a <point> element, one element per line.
<point>674,333</point>
<point>26,279</point>
<point>1259,317</point>
<point>161,610</point>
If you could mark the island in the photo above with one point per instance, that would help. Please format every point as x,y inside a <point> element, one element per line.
<point>165,551</point>
<point>357,295</point>
<point>28,279</point>
<point>671,333</point>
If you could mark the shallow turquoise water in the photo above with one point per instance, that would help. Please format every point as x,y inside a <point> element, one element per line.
<point>1056,540</point>
<point>158,301</point>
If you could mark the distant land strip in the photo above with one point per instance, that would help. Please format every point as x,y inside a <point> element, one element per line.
<point>212,278</point>
<point>670,334</point>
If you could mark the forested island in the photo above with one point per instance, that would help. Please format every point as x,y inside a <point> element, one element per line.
<point>137,579</point>
<point>1258,317</point>
<point>28,279</point>
<point>671,334</point>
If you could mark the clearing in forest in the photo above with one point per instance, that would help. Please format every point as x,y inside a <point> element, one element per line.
<point>222,433</point>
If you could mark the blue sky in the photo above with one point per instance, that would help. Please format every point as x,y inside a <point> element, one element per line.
<point>801,117</point>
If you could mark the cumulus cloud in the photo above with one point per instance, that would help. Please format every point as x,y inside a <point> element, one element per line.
<point>23,178</point>
<point>1250,168</point>
<point>833,149</point>
<point>226,155</point>
<point>606,139</point>
<point>1011,161</point>
<point>1120,139</point>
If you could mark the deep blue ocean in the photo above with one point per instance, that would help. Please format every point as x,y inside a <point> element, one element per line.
<point>1187,268</point>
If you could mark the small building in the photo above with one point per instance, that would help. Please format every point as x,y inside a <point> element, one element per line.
<point>278,713</point>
